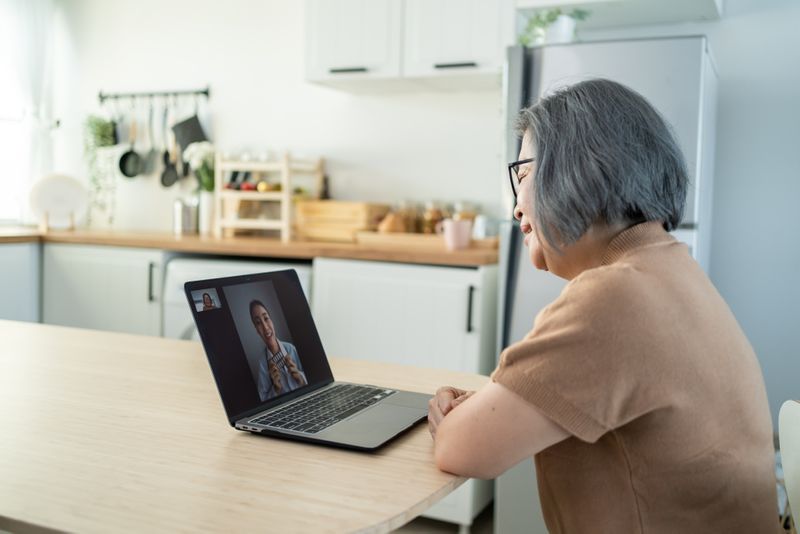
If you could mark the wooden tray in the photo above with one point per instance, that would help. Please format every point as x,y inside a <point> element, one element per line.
<point>415,241</point>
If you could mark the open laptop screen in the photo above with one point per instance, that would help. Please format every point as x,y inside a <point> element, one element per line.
<point>259,337</point>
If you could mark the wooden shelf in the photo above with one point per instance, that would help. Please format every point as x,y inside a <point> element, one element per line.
<point>229,218</point>
<point>253,224</point>
<point>267,166</point>
<point>252,195</point>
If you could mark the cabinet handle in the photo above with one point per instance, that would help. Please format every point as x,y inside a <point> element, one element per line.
<point>347,69</point>
<point>469,308</point>
<point>150,296</point>
<point>467,64</point>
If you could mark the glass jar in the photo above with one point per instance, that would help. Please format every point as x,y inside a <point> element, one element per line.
<point>409,213</point>
<point>431,217</point>
<point>464,211</point>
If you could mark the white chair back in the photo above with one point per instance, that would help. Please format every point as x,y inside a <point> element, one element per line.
<point>789,431</point>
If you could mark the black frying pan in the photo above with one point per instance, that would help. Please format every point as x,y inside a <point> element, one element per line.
<point>130,163</point>
<point>170,173</point>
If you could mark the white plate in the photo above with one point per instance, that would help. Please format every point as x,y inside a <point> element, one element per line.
<point>59,197</point>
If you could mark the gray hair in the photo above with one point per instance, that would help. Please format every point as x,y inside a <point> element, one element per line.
<point>603,154</point>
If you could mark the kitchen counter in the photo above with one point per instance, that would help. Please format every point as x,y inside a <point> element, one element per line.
<point>252,246</point>
<point>19,234</point>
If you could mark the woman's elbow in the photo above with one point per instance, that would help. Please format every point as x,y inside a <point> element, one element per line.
<point>457,458</point>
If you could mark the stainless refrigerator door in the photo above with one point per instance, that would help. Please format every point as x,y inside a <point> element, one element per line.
<point>667,72</point>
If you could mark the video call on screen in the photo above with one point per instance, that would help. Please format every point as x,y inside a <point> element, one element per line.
<point>261,339</point>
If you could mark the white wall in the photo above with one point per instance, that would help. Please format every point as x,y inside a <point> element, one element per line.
<point>379,147</point>
<point>755,245</point>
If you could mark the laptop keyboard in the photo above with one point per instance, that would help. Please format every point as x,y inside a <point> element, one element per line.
<point>317,412</point>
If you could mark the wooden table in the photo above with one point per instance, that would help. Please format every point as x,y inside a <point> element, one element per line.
<point>113,432</point>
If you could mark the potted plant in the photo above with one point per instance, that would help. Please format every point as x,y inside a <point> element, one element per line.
<point>200,156</point>
<point>551,26</point>
<point>99,136</point>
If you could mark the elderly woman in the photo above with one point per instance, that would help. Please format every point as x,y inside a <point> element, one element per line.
<point>636,391</point>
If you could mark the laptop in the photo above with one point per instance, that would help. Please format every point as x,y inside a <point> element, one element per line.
<point>273,375</point>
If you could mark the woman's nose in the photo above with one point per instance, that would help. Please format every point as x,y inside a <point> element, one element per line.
<point>517,212</point>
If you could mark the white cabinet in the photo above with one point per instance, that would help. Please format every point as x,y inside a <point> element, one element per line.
<point>353,39</point>
<point>419,315</point>
<point>455,37</point>
<point>103,288</point>
<point>19,281</point>
<point>428,316</point>
<point>443,43</point>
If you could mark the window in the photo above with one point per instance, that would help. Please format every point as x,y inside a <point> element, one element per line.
<point>23,28</point>
<point>14,144</point>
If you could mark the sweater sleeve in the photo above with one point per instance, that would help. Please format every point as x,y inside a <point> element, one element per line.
<point>585,365</point>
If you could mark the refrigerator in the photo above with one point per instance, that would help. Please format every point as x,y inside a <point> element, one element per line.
<point>676,75</point>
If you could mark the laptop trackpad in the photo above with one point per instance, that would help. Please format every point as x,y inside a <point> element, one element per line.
<point>376,425</point>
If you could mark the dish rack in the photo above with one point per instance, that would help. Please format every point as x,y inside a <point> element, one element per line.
<point>252,210</point>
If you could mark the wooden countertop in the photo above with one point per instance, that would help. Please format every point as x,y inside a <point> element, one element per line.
<point>252,246</point>
<point>19,234</point>
<point>105,431</point>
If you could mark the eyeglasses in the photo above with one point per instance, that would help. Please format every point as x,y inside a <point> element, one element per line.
<point>513,175</point>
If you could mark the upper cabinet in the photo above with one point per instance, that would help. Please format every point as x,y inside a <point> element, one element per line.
<point>446,37</point>
<point>348,39</point>
<point>408,41</point>
<point>458,44</point>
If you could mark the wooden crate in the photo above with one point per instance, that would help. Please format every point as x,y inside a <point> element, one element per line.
<point>336,220</point>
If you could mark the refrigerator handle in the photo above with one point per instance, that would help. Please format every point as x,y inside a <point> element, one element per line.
<point>470,296</point>
<point>150,295</point>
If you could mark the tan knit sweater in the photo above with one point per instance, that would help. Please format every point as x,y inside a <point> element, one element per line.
<point>643,363</point>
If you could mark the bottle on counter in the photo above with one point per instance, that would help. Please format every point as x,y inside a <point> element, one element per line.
<point>325,192</point>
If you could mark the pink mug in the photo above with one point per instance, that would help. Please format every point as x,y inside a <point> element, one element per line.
<point>457,233</point>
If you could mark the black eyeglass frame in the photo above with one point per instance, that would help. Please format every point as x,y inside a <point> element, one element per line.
<point>513,176</point>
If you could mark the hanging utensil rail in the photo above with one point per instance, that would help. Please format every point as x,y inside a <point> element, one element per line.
<point>117,96</point>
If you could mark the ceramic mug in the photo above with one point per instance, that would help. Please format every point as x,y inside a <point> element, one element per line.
<point>457,234</point>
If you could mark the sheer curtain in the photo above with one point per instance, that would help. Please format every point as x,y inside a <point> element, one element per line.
<point>26,29</point>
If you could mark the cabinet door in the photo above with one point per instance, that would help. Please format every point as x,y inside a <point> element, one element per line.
<point>410,314</point>
<point>353,39</point>
<point>19,281</point>
<point>417,315</point>
<point>103,288</point>
<point>447,37</point>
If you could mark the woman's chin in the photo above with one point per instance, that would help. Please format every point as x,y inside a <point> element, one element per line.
<point>537,258</point>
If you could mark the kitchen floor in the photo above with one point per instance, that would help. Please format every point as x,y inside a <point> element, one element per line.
<point>483,524</point>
